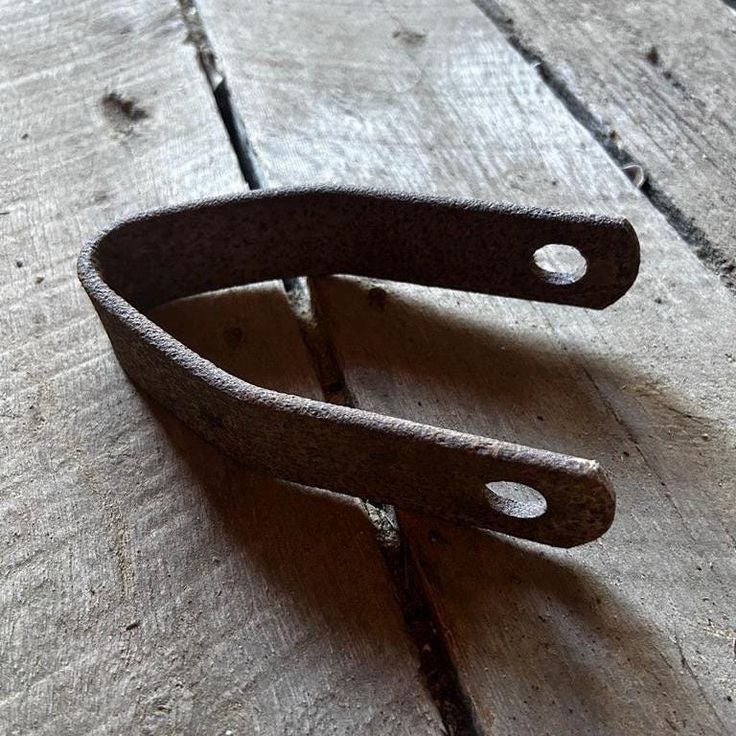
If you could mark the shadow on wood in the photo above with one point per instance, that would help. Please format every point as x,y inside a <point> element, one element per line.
<point>556,628</point>
<point>563,639</point>
<point>626,646</point>
<point>304,590</point>
<point>500,367</point>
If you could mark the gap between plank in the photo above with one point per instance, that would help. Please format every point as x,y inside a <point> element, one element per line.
<point>208,62</point>
<point>695,237</point>
<point>435,663</point>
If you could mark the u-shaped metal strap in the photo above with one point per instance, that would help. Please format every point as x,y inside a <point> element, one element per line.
<point>270,234</point>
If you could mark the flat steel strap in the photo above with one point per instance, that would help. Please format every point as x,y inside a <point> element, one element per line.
<point>272,234</point>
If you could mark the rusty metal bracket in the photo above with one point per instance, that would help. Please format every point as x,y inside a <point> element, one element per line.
<point>271,234</point>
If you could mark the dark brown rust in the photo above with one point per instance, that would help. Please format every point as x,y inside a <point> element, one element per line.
<point>464,245</point>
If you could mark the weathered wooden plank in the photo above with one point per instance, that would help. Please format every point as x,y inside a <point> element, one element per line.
<point>631,634</point>
<point>146,584</point>
<point>654,81</point>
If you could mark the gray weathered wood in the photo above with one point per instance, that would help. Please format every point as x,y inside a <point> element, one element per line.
<point>633,634</point>
<point>655,80</point>
<point>147,585</point>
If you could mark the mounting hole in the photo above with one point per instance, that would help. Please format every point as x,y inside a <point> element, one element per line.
<point>559,264</point>
<point>515,500</point>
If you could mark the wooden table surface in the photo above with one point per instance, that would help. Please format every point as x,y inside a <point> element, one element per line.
<point>148,585</point>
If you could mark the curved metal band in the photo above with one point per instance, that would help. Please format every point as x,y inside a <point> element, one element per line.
<point>283,233</point>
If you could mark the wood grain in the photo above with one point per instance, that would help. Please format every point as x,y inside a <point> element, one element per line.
<point>147,585</point>
<point>657,91</point>
<point>632,634</point>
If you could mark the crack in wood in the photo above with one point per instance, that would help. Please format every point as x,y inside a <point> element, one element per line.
<point>437,669</point>
<point>231,119</point>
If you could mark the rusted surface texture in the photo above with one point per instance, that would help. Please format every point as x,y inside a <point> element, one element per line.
<point>460,245</point>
